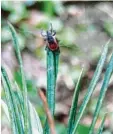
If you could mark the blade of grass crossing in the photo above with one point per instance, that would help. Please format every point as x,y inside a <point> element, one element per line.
<point>101,125</point>
<point>18,55</point>
<point>103,90</point>
<point>91,87</point>
<point>73,110</point>
<point>12,102</point>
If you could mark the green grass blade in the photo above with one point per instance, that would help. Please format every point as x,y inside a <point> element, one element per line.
<point>103,90</point>
<point>52,70</point>
<point>50,81</point>
<point>17,123</point>
<point>20,103</point>
<point>50,86</point>
<point>10,107</point>
<point>20,106</point>
<point>19,114</point>
<point>91,87</point>
<point>35,120</point>
<point>5,108</point>
<point>56,62</point>
<point>20,98</point>
<point>101,125</point>
<point>73,110</point>
<point>18,55</point>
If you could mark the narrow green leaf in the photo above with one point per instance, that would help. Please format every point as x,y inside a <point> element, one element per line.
<point>10,108</point>
<point>18,114</point>
<point>5,108</point>
<point>103,90</point>
<point>91,87</point>
<point>18,55</point>
<point>52,70</point>
<point>56,62</point>
<point>20,103</point>
<point>20,99</point>
<point>20,106</point>
<point>50,87</point>
<point>50,81</point>
<point>16,122</point>
<point>73,110</point>
<point>101,125</point>
<point>35,120</point>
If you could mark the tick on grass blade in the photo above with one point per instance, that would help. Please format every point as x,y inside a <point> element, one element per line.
<point>49,36</point>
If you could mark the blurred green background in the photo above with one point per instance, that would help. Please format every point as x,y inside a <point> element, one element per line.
<point>83,28</point>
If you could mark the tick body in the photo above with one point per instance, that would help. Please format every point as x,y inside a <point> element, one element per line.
<point>52,42</point>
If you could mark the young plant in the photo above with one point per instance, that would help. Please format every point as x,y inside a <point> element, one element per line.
<point>23,117</point>
<point>22,121</point>
<point>24,88</point>
<point>73,110</point>
<point>91,87</point>
<point>103,90</point>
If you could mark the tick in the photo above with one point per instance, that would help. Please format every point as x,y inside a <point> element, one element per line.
<point>49,36</point>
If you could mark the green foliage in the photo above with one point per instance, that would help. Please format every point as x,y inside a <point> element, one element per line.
<point>101,125</point>
<point>91,87</point>
<point>73,110</point>
<point>17,11</point>
<point>23,116</point>
<point>48,8</point>
<point>24,88</point>
<point>108,27</point>
<point>103,90</point>
<point>52,70</point>
<point>82,129</point>
<point>16,122</point>
<point>18,104</point>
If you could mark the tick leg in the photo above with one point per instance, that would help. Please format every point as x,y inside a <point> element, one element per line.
<point>51,29</point>
<point>43,34</point>
<point>54,32</point>
<point>45,39</point>
<point>57,51</point>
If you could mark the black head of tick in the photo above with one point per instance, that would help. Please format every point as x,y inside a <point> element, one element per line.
<point>49,34</point>
<point>49,37</point>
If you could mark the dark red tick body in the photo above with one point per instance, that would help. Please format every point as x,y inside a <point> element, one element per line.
<point>52,42</point>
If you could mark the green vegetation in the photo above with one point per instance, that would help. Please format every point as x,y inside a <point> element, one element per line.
<point>18,104</point>
<point>82,71</point>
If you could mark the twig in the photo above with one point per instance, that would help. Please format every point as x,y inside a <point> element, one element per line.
<point>48,113</point>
